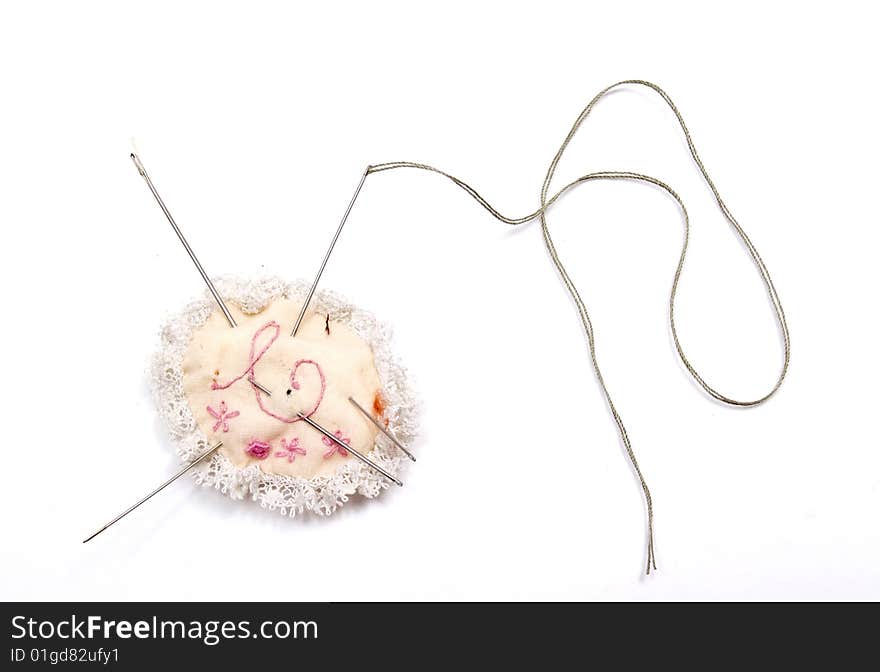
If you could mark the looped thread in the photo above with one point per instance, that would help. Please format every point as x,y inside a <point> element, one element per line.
<point>255,357</point>
<point>540,213</point>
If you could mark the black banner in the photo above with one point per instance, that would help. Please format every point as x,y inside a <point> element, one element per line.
<point>132,636</point>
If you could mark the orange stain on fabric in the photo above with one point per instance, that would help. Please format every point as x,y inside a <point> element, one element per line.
<point>379,405</point>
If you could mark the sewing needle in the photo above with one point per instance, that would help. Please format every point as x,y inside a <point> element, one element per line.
<point>381,428</point>
<point>192,255</point>
<point>363,458</point>
<point>180,473</point>
<point>311,293</point>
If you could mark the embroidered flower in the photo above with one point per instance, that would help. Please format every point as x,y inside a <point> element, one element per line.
<point>222,416</point>
<point>290,450</point>
<point>335,447</point>
<point>258,449</point>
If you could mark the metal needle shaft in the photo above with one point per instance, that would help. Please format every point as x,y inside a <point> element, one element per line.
<point>192,255</point>
<point>363,458</point>
<point>253,382</point>
<point>311,293</point>
<point>379,426</point>
<point>180,473</point>
<point>189,251</point>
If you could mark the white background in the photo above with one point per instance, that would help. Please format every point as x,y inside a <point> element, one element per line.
<point>256,120</point>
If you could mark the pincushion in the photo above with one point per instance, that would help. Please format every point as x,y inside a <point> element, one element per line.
<point>201,379</point>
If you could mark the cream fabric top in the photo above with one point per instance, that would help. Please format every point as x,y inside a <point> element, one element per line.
<point>316,370</point>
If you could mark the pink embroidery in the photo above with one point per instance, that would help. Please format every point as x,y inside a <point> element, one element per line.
<point>222,416</point>
<point>334,447</point>
<point>295,385</point>
<point>258,449</point>
<point>290,450</point>
<point>255,357</point>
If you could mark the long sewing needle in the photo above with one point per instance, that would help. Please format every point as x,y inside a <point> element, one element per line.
<point>311,293</point>
<point>363,458</point>
<point>180,473</point>
<point>379,426</point>
<point>189,251</point>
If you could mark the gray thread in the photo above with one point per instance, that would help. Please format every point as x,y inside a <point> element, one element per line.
<point>572,289</point>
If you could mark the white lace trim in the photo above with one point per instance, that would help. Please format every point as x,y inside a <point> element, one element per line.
<point>290,495</point>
